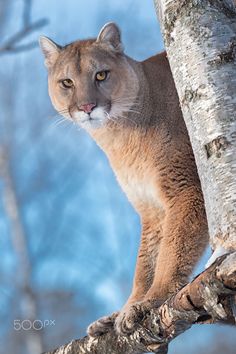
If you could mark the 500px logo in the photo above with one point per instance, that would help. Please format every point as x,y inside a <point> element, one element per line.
<point>37,325</point>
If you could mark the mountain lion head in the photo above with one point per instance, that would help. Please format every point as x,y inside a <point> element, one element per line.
<point>91,81</point>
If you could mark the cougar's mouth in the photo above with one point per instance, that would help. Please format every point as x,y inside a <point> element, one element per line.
<point>95,119</point>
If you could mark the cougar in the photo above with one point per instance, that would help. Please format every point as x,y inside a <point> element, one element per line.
<point>131,109</point>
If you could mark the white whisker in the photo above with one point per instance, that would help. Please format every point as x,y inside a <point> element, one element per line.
<point>60,121</point>
<point>129,99</point>
<point>117,118</point>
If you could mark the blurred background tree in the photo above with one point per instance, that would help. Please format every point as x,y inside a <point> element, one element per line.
<point>68,236</point>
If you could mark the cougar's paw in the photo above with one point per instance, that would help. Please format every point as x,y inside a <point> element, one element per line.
<point>102,325</point>
<point>130,317</point>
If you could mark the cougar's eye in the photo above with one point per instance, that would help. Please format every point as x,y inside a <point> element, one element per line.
<point>67,83</point>
<point>101,75</point>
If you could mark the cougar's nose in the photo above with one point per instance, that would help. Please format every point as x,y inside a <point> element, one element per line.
<point>88,107</point>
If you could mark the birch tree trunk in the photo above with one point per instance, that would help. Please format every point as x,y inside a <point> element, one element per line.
<point>200,39</point>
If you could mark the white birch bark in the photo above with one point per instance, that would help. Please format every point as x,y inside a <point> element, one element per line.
<point>200,39</point>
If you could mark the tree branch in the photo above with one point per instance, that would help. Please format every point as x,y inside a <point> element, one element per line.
<point>11,45</point>
<point>207,299</point>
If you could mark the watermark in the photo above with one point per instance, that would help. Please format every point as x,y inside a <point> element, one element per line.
<point>37,325</point>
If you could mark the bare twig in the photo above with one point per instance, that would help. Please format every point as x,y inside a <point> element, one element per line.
<point>11,45</point>
<point>27,12</point>
<point>207,299</point>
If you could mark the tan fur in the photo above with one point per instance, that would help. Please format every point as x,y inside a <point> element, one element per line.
<point>148,148</point>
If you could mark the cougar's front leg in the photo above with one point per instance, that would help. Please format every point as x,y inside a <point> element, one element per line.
<point>142,281</point>
<point>147,255</point>
<point>185,236</point>
<point>144,273</point>
<point>145,268</point>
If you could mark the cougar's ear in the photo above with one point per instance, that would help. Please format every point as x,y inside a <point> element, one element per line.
<point>50,50</point>
<point>110,34</point>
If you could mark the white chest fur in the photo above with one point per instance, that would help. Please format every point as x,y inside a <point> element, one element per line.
<point>139,189</point>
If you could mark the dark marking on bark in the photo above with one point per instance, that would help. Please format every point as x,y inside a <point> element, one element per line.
<point>191,95</point>
<point>226,56</point>
<point>174,13</point>
<point>190,302</point>
<point>203,318</point>
<point>217,146</point>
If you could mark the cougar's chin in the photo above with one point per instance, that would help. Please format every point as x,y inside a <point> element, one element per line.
<point>96,119</point>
